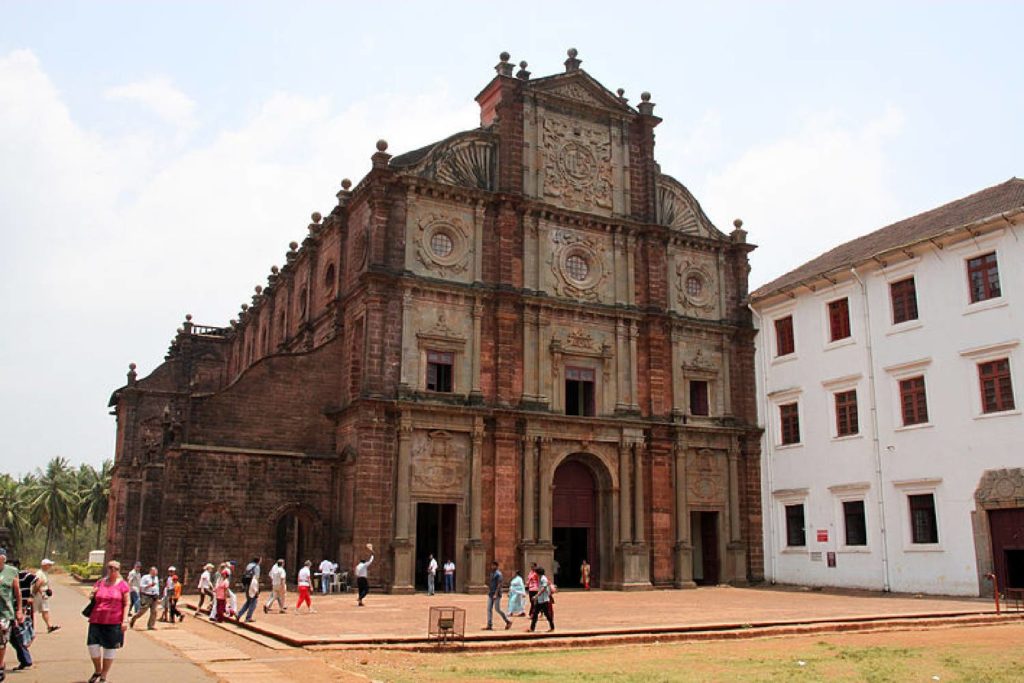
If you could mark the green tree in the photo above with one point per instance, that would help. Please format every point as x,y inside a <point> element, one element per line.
<point>13,513</point>
<point>52,499</point>
<point>95,495</point>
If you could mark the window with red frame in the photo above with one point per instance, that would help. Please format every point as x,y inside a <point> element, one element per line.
<point>846,413</point>
<point>904,300</point>
<point>996,386</point>
<point>789,417</point>
<point>913,402</point>
<point>439,370</point>
<point>983,277</point>
<point>839,319</point>
<point>784,344</point>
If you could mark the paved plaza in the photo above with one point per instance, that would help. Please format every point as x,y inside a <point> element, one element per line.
<point>393,618</point>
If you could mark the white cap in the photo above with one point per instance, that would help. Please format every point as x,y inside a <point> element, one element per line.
<point>172,568</point>
<point>45,562</point>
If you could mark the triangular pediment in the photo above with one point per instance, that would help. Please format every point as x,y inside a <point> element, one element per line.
<point>580,87</point>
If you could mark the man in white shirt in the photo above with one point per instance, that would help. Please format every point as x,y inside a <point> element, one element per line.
<point>134,578</point>
<point>449,577</point>
<point>205,588</point>
<point>278,587</point>
<point>305,586</point>
<point>431,575</point>
<point>41,591</point>
<point>326,576</point>
<point>361,575</point>
<point>149,590</point>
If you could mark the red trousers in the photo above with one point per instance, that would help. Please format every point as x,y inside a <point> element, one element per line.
<point>304,597</point>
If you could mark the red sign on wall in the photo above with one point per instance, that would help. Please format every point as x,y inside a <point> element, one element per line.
<point>822,535</point>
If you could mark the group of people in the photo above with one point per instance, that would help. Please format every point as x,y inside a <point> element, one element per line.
<point>537,589</point>
<point>146,593</point>
<point>449,575</point>
<point>23,595</point>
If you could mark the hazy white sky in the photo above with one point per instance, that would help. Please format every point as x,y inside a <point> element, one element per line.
<point>157,158</point>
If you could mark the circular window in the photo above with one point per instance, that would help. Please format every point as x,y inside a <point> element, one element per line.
<point>441,244</point>
<point>694,286</point>
<point>577,268</point>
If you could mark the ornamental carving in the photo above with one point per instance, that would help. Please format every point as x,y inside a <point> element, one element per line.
<point>578,264</point>
<point>442,244</point>
<point>1001,487</point>
<point>678,209</point>
<point>577,164</point>
<point>700,363</point>
<point>577,93</point>
<point>468,161</point>
<point>694,285</point>
<point>579,339</point>
<point>438,461</point>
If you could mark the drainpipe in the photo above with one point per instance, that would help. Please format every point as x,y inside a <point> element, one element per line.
<point>769,519</point>
<point>873,406</point>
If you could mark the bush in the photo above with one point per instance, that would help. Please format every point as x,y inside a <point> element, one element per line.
<point>86,571</point>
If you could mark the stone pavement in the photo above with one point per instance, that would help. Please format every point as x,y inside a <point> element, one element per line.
<point>391,618</point>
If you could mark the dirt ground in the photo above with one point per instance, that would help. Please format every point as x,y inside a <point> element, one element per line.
<point>984,653</point>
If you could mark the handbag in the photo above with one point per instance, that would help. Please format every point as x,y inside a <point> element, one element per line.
<point>87,610</point>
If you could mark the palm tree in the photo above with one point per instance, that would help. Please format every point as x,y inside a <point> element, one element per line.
<point>13,513</point>
<point>52,498</point>
<point>96,495</point>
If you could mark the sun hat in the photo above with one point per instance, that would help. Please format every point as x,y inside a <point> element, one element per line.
<point>45,562</point>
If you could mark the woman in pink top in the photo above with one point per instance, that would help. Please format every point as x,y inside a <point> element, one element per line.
<point>108,620</point>
<point>220,592</point>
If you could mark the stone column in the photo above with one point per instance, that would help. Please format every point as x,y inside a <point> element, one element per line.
<point>737,549</point>
<point>544,487</point>
<point>478,241</point>
<point>407,333</point>
<point>633,374</point>
<point>683,547</point>
<point>678,388</point>
<point>402,581</point>
<point>630,279</point>
<point>638,493</point>
<point>529,489</point>
<point>625,510</point>
<point>475,394</point>
<point>622,396</point>
<point>475,582</point>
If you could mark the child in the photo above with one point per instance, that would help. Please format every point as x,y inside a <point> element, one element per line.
<point>174,597</point>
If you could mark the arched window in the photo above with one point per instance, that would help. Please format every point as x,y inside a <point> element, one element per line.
<point>329,281</point>
<point>302,302</point>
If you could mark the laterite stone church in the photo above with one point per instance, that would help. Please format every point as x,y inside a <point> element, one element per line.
<point>522,343</point>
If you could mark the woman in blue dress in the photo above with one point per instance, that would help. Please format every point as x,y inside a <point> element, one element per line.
<point>516,596</point>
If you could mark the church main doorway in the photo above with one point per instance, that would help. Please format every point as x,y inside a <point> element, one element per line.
<point>706,560</point>
<point>294,542</point>
<point>574,524</point>
<point>435,535</point>
<point>1007,526</point>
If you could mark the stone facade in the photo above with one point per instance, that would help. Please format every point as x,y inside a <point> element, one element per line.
<point>405,378</point>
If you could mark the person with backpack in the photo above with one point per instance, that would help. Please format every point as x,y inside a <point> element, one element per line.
<point>251,584</point>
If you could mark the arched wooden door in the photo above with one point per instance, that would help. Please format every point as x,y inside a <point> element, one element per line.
<point>574,524</point>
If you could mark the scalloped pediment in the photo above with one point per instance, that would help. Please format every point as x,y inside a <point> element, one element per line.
<point>678,209</point>
<point>467,160</point>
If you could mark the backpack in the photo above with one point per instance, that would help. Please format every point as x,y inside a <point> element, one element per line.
<point>250,572</point>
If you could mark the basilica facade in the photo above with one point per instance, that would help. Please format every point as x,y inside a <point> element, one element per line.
<point>522,343</point>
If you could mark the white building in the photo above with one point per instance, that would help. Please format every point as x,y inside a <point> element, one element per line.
<point>890,383</point>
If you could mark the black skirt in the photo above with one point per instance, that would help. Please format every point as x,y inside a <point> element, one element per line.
<point>107,636</point>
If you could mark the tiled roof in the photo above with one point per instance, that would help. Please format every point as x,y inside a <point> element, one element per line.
<point>1006,196</point>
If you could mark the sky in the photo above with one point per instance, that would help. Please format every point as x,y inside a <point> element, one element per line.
<point>157,158</point>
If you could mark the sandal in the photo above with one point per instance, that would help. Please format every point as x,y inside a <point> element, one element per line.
<point>94,678</point>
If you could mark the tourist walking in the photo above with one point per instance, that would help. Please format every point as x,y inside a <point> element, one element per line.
<point>431,574</point>
<point>305,587</point>
<point>205,587</point>
<point>585,575</point>
<point>173,599</point>
<point>516,596</point>
<point>165,596</point>
<point>532,586</point>
<point>134,579</point>
<point>494,598</point>
<point>220,595</point>
<point>23,634</point>
<point>326,576</point>
<point>251,584</point>
<point>108,620</point>
<point>149,592</point>
<point>449,576</point>
<point>12,612</point>
<point>543,602</point>
<point>362,580</point>
<point>278,589</point>
<point>41,594</point>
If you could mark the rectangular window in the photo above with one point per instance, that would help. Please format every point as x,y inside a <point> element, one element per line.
<point>854,522</point>
<point>796,537</point>
<point>579,391</point>
<point>439,370</point>
<point>789,418</point>
<point>846,413</point>
<point>904,300</point>
<point>923,527</point>
<point>839,319</point>
<point>983,277</point>
<point>698,397</point>
<point>913,402</point>
<point>996,387</point>
<point>784,344</point>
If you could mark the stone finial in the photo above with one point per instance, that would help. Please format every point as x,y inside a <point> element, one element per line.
<point>346,184</point>
<point>646,106</point>
<point>316,217</point>
<point>572,64</point>
<point>275,270</point>
<point>188,317</point>
<point>132,375</point>
<point>622,95</point>
<point>504,66</point>
<point>258,289</point>
<point>245,307</point>
<point>738,234</point>
<point>293,246</point>
<point>523,74</point>
<point>345,193</point>
<point>381,157</point>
